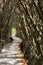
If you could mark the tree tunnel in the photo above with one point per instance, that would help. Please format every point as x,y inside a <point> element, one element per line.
<point>26,16</point>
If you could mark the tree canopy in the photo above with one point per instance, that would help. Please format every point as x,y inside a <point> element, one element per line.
<point>27,17</point>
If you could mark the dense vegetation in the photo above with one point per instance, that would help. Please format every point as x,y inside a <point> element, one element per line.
<point>27,17</point>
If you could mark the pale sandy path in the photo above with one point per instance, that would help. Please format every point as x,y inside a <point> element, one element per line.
<point>11,54</point>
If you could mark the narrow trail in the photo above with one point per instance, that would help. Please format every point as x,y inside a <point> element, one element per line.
<point>11,54</point>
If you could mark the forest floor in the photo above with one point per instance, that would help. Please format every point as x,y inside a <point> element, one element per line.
<point>11,53</point>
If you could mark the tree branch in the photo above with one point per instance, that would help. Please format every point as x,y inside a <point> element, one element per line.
<point>38,11</point>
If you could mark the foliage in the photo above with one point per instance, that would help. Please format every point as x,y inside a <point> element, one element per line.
<point>30,29</point>
<point>13,31</point>
<point>27,17</point>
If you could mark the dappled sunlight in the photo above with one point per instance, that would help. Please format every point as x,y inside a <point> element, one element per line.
<point>23,19</point>
<point>11,54</point>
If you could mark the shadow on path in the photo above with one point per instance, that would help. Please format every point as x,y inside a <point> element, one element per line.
<point>11,53</point>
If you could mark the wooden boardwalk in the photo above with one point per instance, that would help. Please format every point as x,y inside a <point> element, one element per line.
<point>11,54</point>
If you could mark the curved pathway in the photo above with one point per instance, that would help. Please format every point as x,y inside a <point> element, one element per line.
<point>11,53</point>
